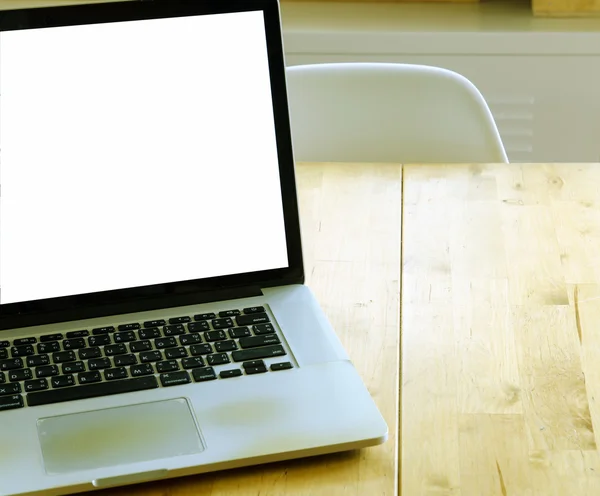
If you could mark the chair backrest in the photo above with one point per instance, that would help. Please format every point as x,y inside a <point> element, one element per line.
<point>380,112</point>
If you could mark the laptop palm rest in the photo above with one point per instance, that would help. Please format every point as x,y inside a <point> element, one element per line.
<point>118,436</point>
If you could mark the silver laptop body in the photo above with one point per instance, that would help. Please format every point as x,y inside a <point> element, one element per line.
<point>154,321</point>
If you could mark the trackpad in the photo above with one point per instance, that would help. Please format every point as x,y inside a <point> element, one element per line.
<point>118,436</point>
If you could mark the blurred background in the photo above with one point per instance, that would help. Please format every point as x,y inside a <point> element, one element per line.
<point>536,62</point>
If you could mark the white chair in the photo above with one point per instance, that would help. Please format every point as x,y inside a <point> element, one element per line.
<point>381,112</point>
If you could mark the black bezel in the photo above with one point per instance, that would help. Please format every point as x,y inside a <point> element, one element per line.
<point>186,292</point>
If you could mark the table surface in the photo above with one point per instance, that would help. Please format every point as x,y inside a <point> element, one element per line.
<point>501,330</point>
<point>492,273</point>
<point>500,316</point>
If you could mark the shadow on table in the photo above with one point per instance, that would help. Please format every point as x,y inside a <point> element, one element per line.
<point>242,479</point>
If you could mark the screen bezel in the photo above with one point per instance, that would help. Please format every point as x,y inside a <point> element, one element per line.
<point>67,308</point>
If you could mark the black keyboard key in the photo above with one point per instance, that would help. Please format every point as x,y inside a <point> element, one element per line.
<point>228,345</point>
<point>21,351</point>
<point>175,378</point>
<point>167,366</point>
<point>150,356</point>
<point>261,369</point>
<point>3,354</point>
<point>229,313</point>
<point>2,378</point>
<point>239,332</point>
<point>73,367</point>
<point>103,330</point>
<point>89,377</point>
<point>262,329</point>
<point>226,374</point>
<point>4,344</point>
<point>46,371</point>
<point>215,336</point>
<point>201,349</point>
<point>51,337</point>
<point>64,356</point>
<point>173,330</point>
<point>161,343</point>
<point>150,333</point>
<point>24,341</point>
<point>142,369</point>
<point>6,389</point>
<point>256,341</point>
<point>204,316</point>
<point>36,385</point>
<point>74,344</point>
<point>199,326</point>
<point>123,360</point>
<point>173,353</point>
<point>11,364</point>
<point>129,327</point>
<point>37,360</point>
<point>217,359</point>
<point>91,391</point>
<point>124,337</point>
<point>78,334</point>
<point>253,363</point>
<point>192,363</point>
<point>179,320</point>
<point>50,347</point>
<point>204,374</point>
<point>253,318</point>
<point>101,340</point>
<point>62,381</point>
<point>88,353</point>
<point>222,323</point>
<point>140,346</point>
<point>114,374</point>
<point>188,339</point>
<point>258,309</point>
<point>20,375</point>
<point>11,402</point>
<point>257,353</point>
<point>115,349</point>
<point>99,363</point>
<point>154,323</point>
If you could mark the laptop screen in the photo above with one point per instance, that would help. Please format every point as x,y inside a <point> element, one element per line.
<point>136,153</point>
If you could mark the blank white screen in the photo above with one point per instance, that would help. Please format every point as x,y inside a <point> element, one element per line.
<point>136,153</point>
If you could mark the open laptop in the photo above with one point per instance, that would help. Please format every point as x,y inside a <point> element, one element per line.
<point>154,319</point>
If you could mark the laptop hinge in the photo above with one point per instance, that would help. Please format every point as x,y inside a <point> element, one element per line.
<point>139,305</point>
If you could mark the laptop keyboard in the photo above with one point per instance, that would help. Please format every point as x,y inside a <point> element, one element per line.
<point>137,356</point>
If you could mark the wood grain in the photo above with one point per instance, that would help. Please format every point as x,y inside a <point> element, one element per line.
<point>566,8</point>
<point>351,235</point>
<point>500,319</point>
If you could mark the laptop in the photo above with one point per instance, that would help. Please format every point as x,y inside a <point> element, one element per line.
<point>154,320</point>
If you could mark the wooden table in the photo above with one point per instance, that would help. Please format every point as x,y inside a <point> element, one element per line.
<point>501,330</point>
